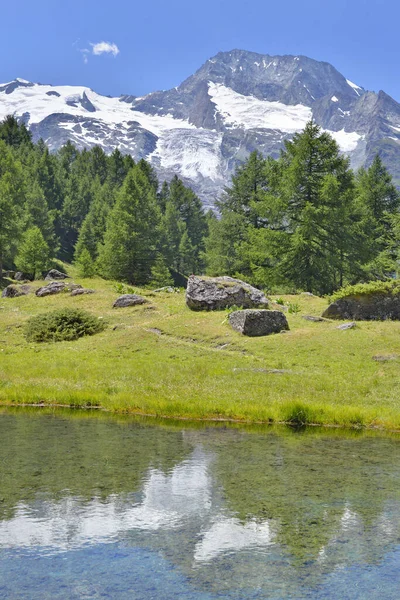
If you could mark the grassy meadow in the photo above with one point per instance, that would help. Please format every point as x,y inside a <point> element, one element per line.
<point>162,359</point>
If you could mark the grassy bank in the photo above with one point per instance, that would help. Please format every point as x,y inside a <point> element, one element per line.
<point>163,359</point>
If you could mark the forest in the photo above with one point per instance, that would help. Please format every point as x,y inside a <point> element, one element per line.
<point>302,222</point>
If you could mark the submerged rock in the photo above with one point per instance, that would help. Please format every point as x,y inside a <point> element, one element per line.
<point>129,300</point>
<point>256,323</point>
<point>13,291</point>
<point>365,307</point>
<point>217,293</point>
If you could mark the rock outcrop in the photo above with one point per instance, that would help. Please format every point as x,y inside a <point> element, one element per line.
<point>129,300</point>
<point>256,323</point>
<point>365,307</point>
<point>218,293</point>
<point>13,291</point>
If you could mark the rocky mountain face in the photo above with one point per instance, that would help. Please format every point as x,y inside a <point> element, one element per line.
<point>236,102</point>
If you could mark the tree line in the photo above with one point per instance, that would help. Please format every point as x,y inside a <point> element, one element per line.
<point>105,213</point>
<point>304,221</point>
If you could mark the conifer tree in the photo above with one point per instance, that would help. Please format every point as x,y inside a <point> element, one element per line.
<point>12,197</point>
<point>33,253</point>
<point>160,274</point>
<point>130,243</point>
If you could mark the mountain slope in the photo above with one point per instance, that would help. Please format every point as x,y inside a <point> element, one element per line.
<point>236,102</point>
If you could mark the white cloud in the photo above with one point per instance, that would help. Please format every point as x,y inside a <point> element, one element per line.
<point>105,48</point>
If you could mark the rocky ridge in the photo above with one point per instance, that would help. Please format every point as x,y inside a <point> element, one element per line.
<point>236,102</point>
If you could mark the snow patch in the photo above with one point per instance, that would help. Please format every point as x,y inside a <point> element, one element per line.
<point>251,113</point>
<point>334,99</point>
<point>354,87</point>
<point>347,141</point>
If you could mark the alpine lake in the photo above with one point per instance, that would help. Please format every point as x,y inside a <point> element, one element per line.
<point>94,506</point>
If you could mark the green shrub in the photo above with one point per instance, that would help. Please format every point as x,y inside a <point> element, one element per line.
<point>391,286</point>
<point>65,324</point>
<point>294,308</point>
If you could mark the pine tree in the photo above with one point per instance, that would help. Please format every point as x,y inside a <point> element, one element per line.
<point>187,255</point>
<point>160,274</point>
<point>85,264</point>
<point>14,134</point>
<point>33,253</point>
<point>131,238</point>
<point>12,197</point>
<point>310,162</point>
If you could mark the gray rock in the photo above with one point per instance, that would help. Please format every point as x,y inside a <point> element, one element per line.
<point>80,291</point>
<point>258,322</point>
<point>71,287</point>
<point>168,289</point>
<point>346,326</point>
<point>19,276</point>
<point>55,287</point>
<point>13,291</point>
<point>129,300</point>
<point>54,274</point>
<point>365,307</point>
<point>9,274</point>
<point>313,319</point>
<point>207,293</point>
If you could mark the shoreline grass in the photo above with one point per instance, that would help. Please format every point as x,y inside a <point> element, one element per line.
<point>162,359</point>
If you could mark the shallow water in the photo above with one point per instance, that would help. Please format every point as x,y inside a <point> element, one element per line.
<point>94,507</point>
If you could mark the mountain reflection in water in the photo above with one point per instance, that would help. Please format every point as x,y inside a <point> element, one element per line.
<point>222,512</point>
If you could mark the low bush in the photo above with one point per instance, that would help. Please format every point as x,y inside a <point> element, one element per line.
<point>391,286</point>
<point>65,324</point>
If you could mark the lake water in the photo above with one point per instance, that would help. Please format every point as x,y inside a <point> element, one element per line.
<point>99,507</point>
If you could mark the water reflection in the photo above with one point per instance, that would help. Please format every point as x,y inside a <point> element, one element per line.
<point>233,514</point>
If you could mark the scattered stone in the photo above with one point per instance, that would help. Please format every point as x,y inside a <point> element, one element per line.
<point>9,274</point>
<point>154,330</point>
<point>129,300</point>
<point>54,274</point>
<point>168,289</point>
<point>80,291</point>
<point>313,319</point>
<point>366,307</point>
<point>307,294</point>
<point>385,357</point>
<point>217,293</point>
<point>258,322</point>
<point>268,371</point>
<point>13,291</point>
<point>346,326</point>
<point>55,287</point>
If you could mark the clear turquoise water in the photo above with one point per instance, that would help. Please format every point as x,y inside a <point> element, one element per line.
<point>94,507</point>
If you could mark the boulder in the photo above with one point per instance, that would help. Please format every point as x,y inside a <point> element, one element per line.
<point>13,291</point>
<point>365,307</point>
<point>81,291</point>
<point>9,274</point>
<point>217,293</point>
<point>55,287</point>
<point>19,276</point>
<point>129,300</point>
<point>255,323</point>
<point>54,274</point>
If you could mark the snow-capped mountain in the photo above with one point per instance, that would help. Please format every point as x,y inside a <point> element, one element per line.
<point>236,102</point>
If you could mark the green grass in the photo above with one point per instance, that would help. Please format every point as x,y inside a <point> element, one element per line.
<point>163,359</point>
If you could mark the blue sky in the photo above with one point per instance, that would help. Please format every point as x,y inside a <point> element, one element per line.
<point>161,42</point>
